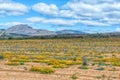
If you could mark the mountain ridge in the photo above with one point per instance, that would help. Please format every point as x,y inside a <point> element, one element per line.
<point>24,30</point>
<point>70,32</point>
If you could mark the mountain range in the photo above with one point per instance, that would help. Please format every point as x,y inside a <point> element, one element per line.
<point>25,30</point>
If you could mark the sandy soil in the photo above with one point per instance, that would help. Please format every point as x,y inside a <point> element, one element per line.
<point>17,73</point>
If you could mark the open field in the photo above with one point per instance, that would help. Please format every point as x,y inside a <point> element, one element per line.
<point>60,59</point>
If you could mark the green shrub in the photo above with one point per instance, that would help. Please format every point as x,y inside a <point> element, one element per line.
<point>74,77</point>
<point>84,60</point>
<point>1,57</point>
<point>22,63</point>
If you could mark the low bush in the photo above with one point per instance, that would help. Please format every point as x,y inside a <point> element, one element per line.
<point>100,68</point>
<point>83,67</point>
<point>1,57</point>
<point>117,63</point>
<point>43,70</point>
<point>74,77</point>
<point>22,63</point>
<point>53,62</point>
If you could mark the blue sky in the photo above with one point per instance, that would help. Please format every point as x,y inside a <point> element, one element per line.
<point>93,16</point>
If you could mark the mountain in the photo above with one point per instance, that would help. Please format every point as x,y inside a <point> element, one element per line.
<point>2,31</point>
<point>27,30</point>
<point>112,34</point>
<point>70,32</point>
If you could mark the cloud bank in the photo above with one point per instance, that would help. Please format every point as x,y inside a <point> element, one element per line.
<point>87,12</point>
<point>8,7</point>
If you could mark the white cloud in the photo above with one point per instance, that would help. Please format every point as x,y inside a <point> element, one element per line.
<point>15,13</point>
<point>96,13</point>
<point>52,9</point>
<point>118,29</point>
<point>35,19</point>
<point>66,13</point>
<point>53,21</point>
<point>96,10</point>
<point>4,1</point>
<point>92,23</point>
<point>9,24</point>
<point>45,8</point>
<point>60,22</point>
<point>65,22</point>
<point>8,7</point>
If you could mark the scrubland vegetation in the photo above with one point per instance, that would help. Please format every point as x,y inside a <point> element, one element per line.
<point>76,58</point>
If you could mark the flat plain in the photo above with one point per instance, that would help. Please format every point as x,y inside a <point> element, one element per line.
<point>60,59</point>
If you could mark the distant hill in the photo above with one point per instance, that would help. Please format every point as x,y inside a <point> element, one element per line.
<point>70,32</point>
<point>104,35</point>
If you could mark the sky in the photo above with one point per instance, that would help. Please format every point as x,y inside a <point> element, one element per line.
<point>91,16</point>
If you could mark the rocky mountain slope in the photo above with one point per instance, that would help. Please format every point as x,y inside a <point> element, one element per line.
<point>27,30</point>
